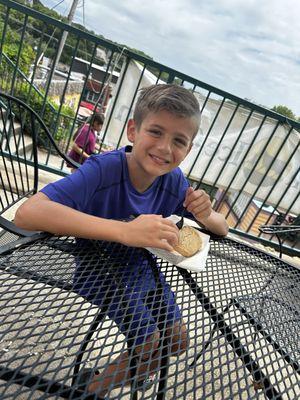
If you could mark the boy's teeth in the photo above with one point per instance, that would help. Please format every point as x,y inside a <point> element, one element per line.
<point>158,159</point>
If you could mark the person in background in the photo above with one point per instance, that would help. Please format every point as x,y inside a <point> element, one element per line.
<point>85,139</point>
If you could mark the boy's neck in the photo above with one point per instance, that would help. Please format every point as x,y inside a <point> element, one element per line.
<point>138,179</point>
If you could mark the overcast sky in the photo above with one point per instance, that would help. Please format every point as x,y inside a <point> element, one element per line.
<point>248,48</point>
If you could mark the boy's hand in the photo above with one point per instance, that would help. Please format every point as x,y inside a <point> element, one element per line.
<point>151,231</point>
<point>198,203</point>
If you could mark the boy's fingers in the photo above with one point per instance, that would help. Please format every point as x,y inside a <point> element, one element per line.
<point>171,237</point>
<point>188,193</point>
<point>165,245</point>
<point>189,190</point>
<point>170,224</point>
<point>196,208</point>
<point>202,214</point>
<point>198,204</point>
<point>199,197</point>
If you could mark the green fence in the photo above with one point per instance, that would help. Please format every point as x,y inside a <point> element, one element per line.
<point>245,156</point>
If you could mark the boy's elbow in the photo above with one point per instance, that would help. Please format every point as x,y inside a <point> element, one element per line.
<point>22,217</point>
<point>30,214</point>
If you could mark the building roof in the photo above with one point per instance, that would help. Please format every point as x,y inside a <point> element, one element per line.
<point>96,66</point>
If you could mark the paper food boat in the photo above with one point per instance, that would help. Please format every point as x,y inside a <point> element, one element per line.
<point>195,263</point>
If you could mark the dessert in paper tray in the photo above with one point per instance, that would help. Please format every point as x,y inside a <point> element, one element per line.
<point>197,261</point>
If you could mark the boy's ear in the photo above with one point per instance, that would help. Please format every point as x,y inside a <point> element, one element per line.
<point>131,130</point>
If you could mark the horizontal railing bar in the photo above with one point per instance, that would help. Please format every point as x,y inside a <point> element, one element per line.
<point>285,249</point>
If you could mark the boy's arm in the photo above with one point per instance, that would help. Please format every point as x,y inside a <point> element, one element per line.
<point>215,223</point>
<point>198,203</point>
<point>41,213</point>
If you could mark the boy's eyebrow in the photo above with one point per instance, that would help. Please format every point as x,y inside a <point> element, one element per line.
<point>156,126</point>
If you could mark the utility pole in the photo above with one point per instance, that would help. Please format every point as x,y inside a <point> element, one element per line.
<point>65,33</point>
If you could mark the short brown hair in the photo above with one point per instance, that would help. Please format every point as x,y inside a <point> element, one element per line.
<point>173,98</point>
<point>97,118</point>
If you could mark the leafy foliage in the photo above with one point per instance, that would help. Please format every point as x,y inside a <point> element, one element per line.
<point>11,47</point>
<point>48,111</point>
<point>283,110</point>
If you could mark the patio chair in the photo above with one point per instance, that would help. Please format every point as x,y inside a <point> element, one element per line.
<point>21,131</point>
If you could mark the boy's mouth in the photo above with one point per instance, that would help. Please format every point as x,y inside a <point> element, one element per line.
<point>159,160</point>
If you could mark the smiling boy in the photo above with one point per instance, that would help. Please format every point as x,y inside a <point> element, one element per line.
<point>143,180</point>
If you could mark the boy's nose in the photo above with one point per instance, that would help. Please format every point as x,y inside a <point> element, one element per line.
<point>165,145</point>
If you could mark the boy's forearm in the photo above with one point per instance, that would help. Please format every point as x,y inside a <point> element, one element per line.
<point>216,223</point>
<point>43,214</point>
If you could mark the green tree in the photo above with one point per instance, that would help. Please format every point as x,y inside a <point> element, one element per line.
<point>283,110</point>
<point>11,47</point>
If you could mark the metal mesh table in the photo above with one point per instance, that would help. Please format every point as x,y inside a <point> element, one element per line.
<point>242,315</point>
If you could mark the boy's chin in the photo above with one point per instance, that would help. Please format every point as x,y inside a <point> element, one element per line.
<point>155,172</point>
<point>160,169</point>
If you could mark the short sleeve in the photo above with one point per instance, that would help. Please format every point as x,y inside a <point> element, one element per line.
<point>78,189</point>
<point>82,135</point>
<point>86,139</point>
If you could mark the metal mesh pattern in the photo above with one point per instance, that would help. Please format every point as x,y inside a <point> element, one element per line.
<point>6,237</point>
<point>241,314</point>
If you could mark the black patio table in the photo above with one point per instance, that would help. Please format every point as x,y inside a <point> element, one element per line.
<point>242,314</point>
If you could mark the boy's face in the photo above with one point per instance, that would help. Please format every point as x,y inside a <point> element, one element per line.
<point>161,142</point>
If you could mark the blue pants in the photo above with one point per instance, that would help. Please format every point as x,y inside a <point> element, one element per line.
<point>136,300</point>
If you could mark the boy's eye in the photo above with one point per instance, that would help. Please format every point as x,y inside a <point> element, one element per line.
<point>154,132</point>
<point>181,142</point>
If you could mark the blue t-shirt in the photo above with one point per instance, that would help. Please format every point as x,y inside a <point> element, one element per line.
<point>102,187</point>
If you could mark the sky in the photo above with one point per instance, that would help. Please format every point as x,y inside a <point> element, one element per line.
<point>248,48</point>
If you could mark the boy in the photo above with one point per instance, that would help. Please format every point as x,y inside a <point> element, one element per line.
<point>140,180</point>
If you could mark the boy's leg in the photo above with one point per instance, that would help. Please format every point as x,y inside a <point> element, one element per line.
<point>178,338</point>
<point>165,304</point>
<point>131,314</point>
<point>118,373</point>
<point>127,305</point>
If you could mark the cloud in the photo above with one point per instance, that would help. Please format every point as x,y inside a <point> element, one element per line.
<point>250,49</point>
